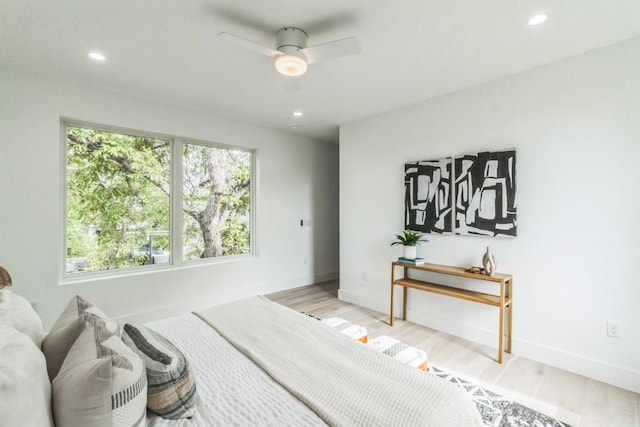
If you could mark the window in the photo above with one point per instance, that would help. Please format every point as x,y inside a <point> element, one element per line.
<point>216,202</point>
<point>120,193</point>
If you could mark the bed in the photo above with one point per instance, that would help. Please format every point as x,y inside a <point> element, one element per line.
<point>257,363</point>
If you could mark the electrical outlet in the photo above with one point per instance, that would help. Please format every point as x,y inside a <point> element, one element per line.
<point>613,330</point>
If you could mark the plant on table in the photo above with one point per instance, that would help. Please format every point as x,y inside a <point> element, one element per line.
<point>409,239</point>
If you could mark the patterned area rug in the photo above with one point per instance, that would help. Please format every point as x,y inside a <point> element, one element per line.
<point>498,411</point>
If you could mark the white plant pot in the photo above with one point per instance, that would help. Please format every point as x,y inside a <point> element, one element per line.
<point>409,252</point>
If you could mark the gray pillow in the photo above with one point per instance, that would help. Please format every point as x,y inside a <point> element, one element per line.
<point>172,387</point>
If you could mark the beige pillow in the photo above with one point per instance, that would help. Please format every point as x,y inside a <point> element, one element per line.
<point>16,311</point>
<point>101,383</point>
<point>68,327</point>
<point>25,392</point>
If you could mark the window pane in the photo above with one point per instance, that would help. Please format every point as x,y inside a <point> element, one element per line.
<point>117,200</point>
<point>217,202</point>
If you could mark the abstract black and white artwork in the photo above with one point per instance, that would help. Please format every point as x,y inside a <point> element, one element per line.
<point>428,197</point>
<point>485,194</point>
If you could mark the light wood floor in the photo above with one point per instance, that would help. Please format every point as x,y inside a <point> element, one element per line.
<point>571,398</point>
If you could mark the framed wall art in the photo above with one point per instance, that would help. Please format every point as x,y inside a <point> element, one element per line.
<point>428,196</point>
<point>485,194</point>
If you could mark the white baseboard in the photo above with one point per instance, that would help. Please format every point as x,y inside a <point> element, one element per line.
<point>606,372</point>
<point>618,376</point>
<point>325,277</point>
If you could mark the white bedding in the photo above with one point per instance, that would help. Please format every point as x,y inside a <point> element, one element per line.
<point>344,382</point>
<point>295,371</point>
<point>232,390</point>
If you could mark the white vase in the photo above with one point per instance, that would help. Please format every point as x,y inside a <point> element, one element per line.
<point>489,262</point>
<point>409,252</point>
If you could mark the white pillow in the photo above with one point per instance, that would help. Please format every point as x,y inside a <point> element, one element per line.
<point>25,391</point>
<point>16,311</point>
<point>68,327</point>
<point>101,383</point>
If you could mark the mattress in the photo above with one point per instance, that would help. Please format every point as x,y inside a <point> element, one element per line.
<point>232,390</point>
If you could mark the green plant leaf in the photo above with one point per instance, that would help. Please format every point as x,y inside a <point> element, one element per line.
<point>408,238</point>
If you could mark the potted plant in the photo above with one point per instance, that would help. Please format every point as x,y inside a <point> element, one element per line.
<point>409,240</point>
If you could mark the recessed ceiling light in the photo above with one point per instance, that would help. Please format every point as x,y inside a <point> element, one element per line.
<point>297,113</point>
<point>537,20</point>
<point>97,56</point>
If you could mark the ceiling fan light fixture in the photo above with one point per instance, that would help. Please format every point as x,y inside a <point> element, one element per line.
<point>291,65</point>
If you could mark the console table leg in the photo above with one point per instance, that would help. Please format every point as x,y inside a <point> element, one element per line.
<point>404,303</point>
<point>509,312</point>
<point>393,279</point>
<point>510,315</point>
<point>500,334</point>
<point>391,308</point>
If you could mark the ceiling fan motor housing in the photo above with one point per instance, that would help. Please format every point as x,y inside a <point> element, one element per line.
<point>288,37</point>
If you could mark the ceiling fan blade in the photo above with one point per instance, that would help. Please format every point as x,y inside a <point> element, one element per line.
<point>249,45</point>
<point>331,50</point>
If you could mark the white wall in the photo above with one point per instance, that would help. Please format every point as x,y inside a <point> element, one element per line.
<point>576,128</point>
<point>292,185</point>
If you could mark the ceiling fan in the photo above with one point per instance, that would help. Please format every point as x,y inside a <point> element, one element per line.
<point>292,56</point>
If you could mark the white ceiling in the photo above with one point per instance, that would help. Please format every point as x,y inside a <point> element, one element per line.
<point>167,51</point>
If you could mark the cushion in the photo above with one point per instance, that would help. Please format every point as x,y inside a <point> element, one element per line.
<point>16,311</point>
<point>349,329</point>
<point>25,392</point>
<point>399,351</point>
<point>172,388</point>
<point>68,327</point>
<point>101,383</point>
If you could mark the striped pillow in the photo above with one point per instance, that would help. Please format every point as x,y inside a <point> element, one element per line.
<point>172,387</point>
<point>101,383</point>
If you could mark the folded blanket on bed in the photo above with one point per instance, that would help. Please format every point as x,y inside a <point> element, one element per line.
<point>345,383</point>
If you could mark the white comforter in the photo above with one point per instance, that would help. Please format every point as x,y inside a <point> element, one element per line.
<point>344,382</point>
<point>232,390</point>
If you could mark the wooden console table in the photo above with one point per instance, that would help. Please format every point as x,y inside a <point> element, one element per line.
<point>504,301</point>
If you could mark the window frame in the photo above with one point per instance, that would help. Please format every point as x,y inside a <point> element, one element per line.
<point>176,198</point>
